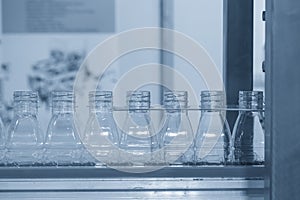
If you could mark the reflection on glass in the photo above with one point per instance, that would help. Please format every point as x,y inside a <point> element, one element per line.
<point>137,140</point>
<point>24,142</point>
<point>248,134</point>
<point>101,135</point>
<point>212,141</point>
<point>177,133</point>
<point>63,145</point>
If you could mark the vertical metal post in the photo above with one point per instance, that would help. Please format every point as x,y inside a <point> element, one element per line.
<point>166,58</point>
<point>238,59</point>
<point>238,50</point>
<point>283,99</point>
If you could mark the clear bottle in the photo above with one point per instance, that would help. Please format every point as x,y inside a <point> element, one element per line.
<point>101,134</point>
<point>248,134</point>
<point>137,139</point>
<point>212,141</point>
<point>177,133</point>
<point>2,143</point>
<point>25,139</point>
<point>62,144</point>
<point>2,134</point>
<point>1,102</point>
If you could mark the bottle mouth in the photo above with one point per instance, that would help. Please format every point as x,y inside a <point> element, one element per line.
<point>63,101</point>
<point>175,99</point>
<point>138,95</point>
<point>100,100</point>
<point>66,96</point>
<point>251,99</point>
<point>26,96</point>
<point>212,99</point>
<point>25,102</point>
<point>138,99</point>
<point>102,96</point>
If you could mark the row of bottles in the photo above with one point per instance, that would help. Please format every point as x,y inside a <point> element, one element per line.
<point>136,143</point>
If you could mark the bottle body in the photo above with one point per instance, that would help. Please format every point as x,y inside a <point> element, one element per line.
<point>2,143</point>
<point>177,133</point>
<point>248,135</point>
<point>24,141</point>
<point>101,137</point>
<point>212,145</point>
<point>212,141</point>
<point>62,144</point>
<point>137,140</point>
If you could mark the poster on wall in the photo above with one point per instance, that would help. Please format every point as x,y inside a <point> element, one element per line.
<point>43,43</point>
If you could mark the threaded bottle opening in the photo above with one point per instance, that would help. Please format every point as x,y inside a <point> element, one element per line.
<point>212,99</point>
<point>67,96</point>
<point>25,96</point>
<point>63,101</point>
<point>175,100</point>
<point>100,100</point>
<point>26,102</point>
<point>138,100</point>
<point>251,100</point>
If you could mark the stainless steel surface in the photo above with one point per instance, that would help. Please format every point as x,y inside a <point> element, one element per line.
<point>165,195</point>
<point>145,188</point>
<point>283,99</point>
<point>208,182</point>
<point>246,172</point>
<point>133,184</point>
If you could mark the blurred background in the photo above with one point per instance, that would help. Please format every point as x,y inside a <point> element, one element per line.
<point>43,43</point>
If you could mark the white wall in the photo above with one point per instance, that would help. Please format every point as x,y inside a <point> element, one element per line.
<point>259,45</point>
<point>21,50</point>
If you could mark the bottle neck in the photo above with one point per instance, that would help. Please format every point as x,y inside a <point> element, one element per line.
<point>25,103</point>
<point>100,101</point>
<point>25,108</point>
<point>63,102</point>
<point>138,101</point>
<point>139,107</point>
<point>251,100</point>
<point>173,106</point>
<point>176,101</point>
<point>96,107</point>
<point>62,107</point>
<point>212,101</point>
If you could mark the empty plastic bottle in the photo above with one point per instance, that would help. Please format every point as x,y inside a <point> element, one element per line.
<point>248,135</point>
<point>212,141</point>
<point>177,133</point>
<point>24,141</point>
<point>2,136</point>
<point>137,139</point>
<point>101,134</point>
<point>63,145</point>
<point>2,143</point>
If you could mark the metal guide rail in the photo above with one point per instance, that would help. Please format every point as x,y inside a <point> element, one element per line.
<point>245,172</point>
<point>107,179</point>
<point>232,108</point>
